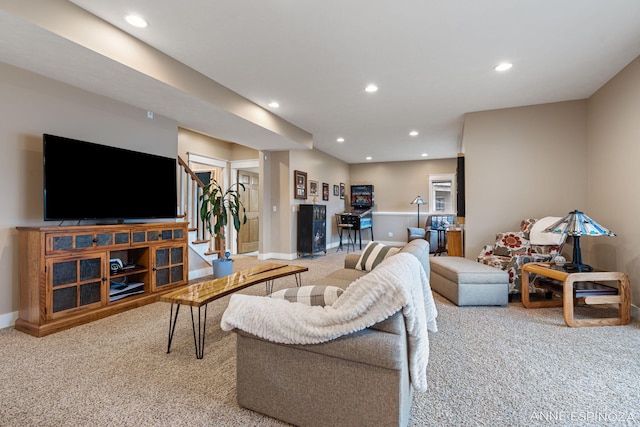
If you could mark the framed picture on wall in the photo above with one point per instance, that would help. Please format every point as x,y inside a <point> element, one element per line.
<point>325,191</point>
<point>336,190</point>
<point>342,190</point>
<point>300,186</point>
<point>313,188</point>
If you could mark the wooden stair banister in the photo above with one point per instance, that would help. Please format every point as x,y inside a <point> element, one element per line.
<point>189,190</point>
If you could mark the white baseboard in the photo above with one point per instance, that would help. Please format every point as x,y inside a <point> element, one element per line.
<point>196,274</point>
<point>9,319</point>
<point>275,255</point>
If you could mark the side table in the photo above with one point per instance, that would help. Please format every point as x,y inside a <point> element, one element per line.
<point>442,240</point>
<point>572,287</point>
<point>454,242</point>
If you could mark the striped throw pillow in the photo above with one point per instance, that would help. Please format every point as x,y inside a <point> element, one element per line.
<point>310,295</point>
<point>374,254</point>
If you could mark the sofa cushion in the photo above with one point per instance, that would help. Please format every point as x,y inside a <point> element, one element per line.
<point>462,271</point>
<point>310,295</point>
<point>374,253</point>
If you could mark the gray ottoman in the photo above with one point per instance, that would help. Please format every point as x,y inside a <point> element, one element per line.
<point>467,282</point>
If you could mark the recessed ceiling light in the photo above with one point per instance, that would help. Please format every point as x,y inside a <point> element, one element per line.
<point>504,66</point>
<point>368,157</point>
<point>274,104</point>
<point>424,154</point>
<point>136,21</point>
<point>371,88</point>
<point>413,133</point>
<point>340,140</point>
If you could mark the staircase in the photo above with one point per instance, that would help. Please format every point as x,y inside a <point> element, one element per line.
<point>189,190</point>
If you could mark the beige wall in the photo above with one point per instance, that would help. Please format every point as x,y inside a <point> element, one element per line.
<point>614,175</point>
<point>276,226</point>
<point>319,167</point>
<point>526,162</point>
<point>396,184</point>
<point>31,105</point>
<point>198,143</point>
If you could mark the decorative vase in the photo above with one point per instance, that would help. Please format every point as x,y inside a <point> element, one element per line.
<point>559,260</point>
<point>222,266</point>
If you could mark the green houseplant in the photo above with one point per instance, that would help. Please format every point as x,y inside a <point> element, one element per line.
<point>217,208</point>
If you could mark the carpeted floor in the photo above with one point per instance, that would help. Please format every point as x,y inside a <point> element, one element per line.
<point>488,366</point>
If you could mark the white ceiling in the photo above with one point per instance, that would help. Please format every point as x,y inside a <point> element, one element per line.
<point>432,60</point>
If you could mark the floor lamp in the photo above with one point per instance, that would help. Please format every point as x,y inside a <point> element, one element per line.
<point>418,201</point>
<point>577,224</point>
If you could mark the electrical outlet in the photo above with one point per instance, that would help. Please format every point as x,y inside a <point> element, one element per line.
<point>390,234</point>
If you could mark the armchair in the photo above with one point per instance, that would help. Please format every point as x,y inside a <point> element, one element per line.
<point>511,250</point>
<point>434,222</point>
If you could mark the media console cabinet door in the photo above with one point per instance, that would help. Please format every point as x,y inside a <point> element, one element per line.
<point>75,284</point>
<point>169,266</point>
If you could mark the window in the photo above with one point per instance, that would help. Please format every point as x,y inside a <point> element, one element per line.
<point>442,193</point>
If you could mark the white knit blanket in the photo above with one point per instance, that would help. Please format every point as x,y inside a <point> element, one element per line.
<point>398,283</point>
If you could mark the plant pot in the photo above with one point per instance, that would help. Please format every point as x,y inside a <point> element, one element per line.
<point>222,267</point>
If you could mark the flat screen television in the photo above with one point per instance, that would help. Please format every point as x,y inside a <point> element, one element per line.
<point>88,181</point>
<point>362,196</point>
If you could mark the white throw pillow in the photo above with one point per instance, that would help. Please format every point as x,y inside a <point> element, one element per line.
<point>374,254</point>
<point>310,295</point>
<point>538,236</point>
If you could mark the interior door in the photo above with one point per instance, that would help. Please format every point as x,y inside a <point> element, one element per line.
<point>249,232</point>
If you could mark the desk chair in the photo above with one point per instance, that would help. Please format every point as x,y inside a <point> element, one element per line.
<point>342,226</point>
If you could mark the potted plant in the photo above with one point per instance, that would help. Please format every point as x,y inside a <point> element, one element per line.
<point>217,208</point>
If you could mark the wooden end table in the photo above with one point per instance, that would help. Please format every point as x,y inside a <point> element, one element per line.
<point>578,285</point>
<point>201,294</point>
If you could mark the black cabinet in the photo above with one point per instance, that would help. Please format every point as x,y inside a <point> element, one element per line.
<point>312,229</point>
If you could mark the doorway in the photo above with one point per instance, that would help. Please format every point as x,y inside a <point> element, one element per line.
<point>249,235</point>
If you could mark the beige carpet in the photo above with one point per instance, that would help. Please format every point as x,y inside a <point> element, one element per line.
<point>488,366</point>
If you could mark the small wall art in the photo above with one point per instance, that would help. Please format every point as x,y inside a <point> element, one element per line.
<point>300,186</point>
<point>313,188</point>
<point>325,191</point>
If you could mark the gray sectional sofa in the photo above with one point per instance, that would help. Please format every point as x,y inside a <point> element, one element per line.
<point>357,379</point>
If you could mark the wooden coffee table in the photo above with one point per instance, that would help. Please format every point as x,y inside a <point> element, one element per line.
<point>201,294</point>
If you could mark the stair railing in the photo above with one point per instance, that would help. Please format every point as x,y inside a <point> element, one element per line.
<point>189,191</point>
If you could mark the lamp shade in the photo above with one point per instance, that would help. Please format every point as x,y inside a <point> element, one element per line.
<point>418,201</point>
<point>578,224</point>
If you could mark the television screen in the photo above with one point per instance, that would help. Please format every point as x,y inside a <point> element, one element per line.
<point>84,180</point>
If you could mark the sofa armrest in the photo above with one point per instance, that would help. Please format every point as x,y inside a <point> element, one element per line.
<point>351,260</point>
<point>368,346</point>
